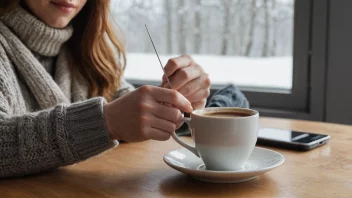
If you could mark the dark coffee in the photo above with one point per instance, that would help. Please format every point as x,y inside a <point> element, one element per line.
<point>227,114</point>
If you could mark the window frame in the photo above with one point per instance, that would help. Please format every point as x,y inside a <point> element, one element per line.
<point>307,98</point>
<point>296,98</point>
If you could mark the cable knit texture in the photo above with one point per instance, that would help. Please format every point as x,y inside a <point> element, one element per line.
<point>28,29</point>
<point>46,118</point>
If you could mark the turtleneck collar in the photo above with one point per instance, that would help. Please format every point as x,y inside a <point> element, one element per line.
<point>35,34</point>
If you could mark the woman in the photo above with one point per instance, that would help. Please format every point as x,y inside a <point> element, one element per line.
<point>63,98</point>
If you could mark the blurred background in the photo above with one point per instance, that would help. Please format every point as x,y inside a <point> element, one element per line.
<point>225,33</point>
<point>276,51</point>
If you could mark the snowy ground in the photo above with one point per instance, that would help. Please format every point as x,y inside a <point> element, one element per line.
<point>275,72</point>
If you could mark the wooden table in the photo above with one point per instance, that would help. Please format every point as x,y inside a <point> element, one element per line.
<point>137,170</point>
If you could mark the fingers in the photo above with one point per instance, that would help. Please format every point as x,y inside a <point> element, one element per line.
<point>157,134</point>
<point>159,128</point>
<point>199,95</point>
<point>164,81</point>
<point>167,112</point>
<point>184,75</point>
<point>162,124</point>
<point>179,125</point>
<point>169,96</point>
<point>175,64</point>
<point>200,104</point>
<point>194,85</point>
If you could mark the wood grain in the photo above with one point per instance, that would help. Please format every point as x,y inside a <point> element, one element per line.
<point>137,170</point>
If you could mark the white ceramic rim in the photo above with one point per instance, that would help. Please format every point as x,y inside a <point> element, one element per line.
<point>196,113</point>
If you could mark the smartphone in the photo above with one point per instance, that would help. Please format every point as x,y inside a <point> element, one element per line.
<point>296,140</point>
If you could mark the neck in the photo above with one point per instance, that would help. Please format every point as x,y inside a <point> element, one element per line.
<point>35,34</point>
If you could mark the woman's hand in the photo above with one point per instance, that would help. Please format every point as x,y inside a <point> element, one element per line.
<point>189,79</point>
<point>139,115</point>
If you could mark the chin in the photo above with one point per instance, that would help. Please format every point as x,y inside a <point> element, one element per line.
<point>59,24</point>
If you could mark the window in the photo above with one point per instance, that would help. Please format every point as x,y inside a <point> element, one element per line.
<point>262,46</point>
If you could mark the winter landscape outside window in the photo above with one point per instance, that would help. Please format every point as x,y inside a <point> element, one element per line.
<point>245,42</point>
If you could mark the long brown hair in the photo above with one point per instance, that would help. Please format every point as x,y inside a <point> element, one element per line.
<point>97,53</point>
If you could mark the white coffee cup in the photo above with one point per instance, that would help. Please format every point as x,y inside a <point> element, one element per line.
<point>224,142</point>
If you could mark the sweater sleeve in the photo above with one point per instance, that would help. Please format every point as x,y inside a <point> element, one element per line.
<point>63,135</point>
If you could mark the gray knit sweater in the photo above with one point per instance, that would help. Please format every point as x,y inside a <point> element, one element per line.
<point>46,118</point>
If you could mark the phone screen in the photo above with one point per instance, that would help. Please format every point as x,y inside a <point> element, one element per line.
<point>288,135</point>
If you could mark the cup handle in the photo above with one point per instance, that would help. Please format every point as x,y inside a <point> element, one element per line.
<point>182,143</point>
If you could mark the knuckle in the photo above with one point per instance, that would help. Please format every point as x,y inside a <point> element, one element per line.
<point>179,116</point>
<point>203,102</point>
<point>187,56</point>
<point>171,66</point>
<point>184,74</point>
<point>200,104</point>
<point>207,81</point>
<point>174,96</point>
<point>146,89</point>
<point>206,93</point>
<point>188,90</point>
<point>144,107</point>
<point>175,115</point>
<point>172,62</point>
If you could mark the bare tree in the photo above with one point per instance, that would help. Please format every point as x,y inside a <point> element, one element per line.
<point>168,12</point>
<point>238,35</point>
<point>275,28</point>
<point>251,28</point>
<point>227,6</point>
<point>197,21</point>
<point>227,27</point>
<point>265,51</point>
<point>182,28</point>
<point>206,33</point>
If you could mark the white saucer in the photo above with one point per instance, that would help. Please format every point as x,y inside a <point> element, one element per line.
<point>261,161</point>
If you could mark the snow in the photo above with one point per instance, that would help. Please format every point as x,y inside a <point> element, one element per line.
<point>272,72</point>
